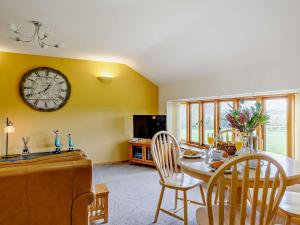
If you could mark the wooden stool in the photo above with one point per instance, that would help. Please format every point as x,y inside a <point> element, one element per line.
<point>99,208</point>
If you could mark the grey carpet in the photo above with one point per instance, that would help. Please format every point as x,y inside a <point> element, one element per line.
<point>134,192</point>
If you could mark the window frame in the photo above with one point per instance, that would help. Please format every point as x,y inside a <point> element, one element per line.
<point>186,113</point>
<point>202,121</point>
<point>189,124</point>
<point>236,103</point>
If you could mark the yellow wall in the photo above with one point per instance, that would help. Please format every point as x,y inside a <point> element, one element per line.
<point>99,115</point>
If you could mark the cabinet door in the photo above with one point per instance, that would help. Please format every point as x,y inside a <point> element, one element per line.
<point>137,152</point>
<point>148,154</point>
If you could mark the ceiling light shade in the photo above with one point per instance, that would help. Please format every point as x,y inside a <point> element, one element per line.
<point>13,27</point>
<point>59,45</point>
<point>40,36</point>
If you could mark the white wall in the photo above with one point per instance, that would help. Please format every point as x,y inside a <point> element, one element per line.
<point>277,75</point>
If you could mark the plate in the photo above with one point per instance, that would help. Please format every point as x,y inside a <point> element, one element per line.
<point>214,169</point>
<point>192,156</point>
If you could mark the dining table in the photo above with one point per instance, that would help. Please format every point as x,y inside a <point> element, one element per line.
<point>199,167</point>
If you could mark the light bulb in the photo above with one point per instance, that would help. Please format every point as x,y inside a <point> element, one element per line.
<point>43,45</point>
<point>59,45</point>
<point>13,27</point>
<point>48,33</point>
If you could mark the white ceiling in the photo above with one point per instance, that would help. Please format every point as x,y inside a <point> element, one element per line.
<point>165,40</point>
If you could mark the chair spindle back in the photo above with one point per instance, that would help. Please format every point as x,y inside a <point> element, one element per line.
<point>267,181</point>
<point>165,149</point>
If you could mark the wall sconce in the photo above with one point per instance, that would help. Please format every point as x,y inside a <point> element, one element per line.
<point>9,128</point>
<point>105,77</point>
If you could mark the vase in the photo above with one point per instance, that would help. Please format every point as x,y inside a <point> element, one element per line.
<point>250,143</point>
<point>25,153</point>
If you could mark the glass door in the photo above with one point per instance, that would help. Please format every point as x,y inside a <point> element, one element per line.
<point>137,152</point>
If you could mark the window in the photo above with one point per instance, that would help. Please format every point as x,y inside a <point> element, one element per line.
<point>208,120</point>
<point>273,137</point>
<point>248,103</point>
<point>276,130</point>
<point>224,109</point>
<point>183,124</point>
<point>194,123</point>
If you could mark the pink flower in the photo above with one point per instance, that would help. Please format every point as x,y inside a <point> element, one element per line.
<point>242,118</point>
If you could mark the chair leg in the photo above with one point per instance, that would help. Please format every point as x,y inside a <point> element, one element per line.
<point>176,199</point>
<point>159,203</point>
<point>185,208</point>
<point>202,194</point>
<point>288,220</point>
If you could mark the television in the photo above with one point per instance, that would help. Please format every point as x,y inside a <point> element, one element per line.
<point>145,126</point>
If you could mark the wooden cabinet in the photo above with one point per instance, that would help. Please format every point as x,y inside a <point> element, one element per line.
<point>140,152</point>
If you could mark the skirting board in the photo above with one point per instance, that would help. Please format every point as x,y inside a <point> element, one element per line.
<point>109,163</point>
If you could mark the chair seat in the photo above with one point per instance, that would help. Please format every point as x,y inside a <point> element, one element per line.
<point>290,204</point>
<point>202,215</point>
<point>181,181</point>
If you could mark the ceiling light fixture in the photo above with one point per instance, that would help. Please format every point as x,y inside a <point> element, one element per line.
<point>105,77</point>
<point>41,36</point>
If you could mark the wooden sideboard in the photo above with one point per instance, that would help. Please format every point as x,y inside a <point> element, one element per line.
<point>140,152</point>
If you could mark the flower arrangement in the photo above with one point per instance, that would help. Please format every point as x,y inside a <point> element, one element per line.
<point>246,120</point>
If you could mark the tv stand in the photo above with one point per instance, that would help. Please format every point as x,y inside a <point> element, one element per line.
<point>140,152</point>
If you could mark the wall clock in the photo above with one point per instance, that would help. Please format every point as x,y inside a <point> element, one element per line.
<point>45,89</point>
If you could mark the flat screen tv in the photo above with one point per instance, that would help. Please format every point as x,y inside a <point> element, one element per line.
<point>145,126</point>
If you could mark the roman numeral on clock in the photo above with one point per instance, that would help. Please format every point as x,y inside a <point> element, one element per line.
<point>61,98</point>
<point>37,74</point>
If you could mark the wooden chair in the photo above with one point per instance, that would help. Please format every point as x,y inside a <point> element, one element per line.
<point>226,132</point>
<point>290,207</point>
<point>165,150</point>
<point>267,181</point>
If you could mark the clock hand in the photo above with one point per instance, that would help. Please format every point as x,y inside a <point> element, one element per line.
<point>45,89</point>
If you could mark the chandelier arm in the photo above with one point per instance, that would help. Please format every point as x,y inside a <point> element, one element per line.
<point>38,33</point>
<point>49,45</point>
<point>19,39</point>
<point>43,38</point>
<point>25,40</point>
<point>29,38</point>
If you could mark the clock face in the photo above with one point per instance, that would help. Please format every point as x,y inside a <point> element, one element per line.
<point>45,89</point>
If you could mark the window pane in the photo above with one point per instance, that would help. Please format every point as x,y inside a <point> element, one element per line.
<point>276,129</point>
<point>248,103</point>
<point>182,118</point>
<point>194,122</point>
<point>208,120</point>
<point>224,109</point>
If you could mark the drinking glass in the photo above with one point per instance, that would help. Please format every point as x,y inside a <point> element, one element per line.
<point>238,143</point>
<point>210,140</point>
